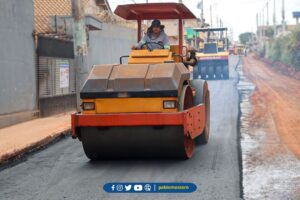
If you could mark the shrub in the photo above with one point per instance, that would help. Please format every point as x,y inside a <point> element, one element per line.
<point>295,49</point>
<point>276,49</point>
<point>269,32</point>
<point>262,51</point>
<point>286,49</point>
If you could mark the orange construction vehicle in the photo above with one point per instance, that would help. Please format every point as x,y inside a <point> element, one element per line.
<point>239,49</point>
<point>147,107</point>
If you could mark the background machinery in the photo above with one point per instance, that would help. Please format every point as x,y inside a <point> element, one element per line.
<point>213,54</point>
<point>148,107</point>
<point>239,49</point>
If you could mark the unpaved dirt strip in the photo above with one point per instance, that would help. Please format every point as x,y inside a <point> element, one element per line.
<point>270,130</point>
<point>281,96</point>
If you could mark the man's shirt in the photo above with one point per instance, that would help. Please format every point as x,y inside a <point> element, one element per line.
<point>161,39</point>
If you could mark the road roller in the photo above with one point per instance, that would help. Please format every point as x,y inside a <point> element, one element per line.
<point>146,106</point>
<point>214,56</point>
<point>239,49</point>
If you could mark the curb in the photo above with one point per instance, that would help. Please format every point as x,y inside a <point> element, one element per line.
<point>239,135</point>
<point>17,154</point>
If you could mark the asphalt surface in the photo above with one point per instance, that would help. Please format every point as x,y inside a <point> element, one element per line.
<point>63,172</point>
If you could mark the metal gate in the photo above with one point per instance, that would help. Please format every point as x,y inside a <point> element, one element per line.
<point>56,75</point>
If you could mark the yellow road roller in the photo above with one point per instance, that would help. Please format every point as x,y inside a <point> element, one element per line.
<point>147,107</point>
<point>213,59</point>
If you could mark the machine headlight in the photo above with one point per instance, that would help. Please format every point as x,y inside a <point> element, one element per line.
<point>170,104</point>
<point>88,106</point>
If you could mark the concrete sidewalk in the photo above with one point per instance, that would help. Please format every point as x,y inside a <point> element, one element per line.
<point>20,138</point>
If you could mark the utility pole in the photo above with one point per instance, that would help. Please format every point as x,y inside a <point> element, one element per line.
<point>257,32</point>
<point>202,13</point>
<point>274,19</point>
<point>261,26</point>
<point>257,21</point>
<point>80,47</point>
<point>267,13</point>
<point>283,16</point>
<point>263,16</point>
<point>200,7</point>
<point>263,22</point>
<point>231,34</point>
<point>217,17</point>
<point>211,19</point>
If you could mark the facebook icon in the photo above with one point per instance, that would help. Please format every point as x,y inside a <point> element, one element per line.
<point>113,188</point>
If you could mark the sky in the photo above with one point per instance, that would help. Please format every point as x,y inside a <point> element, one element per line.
<point>240,15</point>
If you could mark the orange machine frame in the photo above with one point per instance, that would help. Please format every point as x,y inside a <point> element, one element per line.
<point>193,120</point>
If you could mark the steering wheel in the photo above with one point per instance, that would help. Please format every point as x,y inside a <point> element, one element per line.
<point>146,44</point>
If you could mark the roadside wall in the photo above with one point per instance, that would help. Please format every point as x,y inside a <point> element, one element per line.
<point>107,45</point>
<point>17,76</point>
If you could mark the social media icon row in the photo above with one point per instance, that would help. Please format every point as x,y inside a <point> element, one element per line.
<point>150,187</point>
<point>136,187</point>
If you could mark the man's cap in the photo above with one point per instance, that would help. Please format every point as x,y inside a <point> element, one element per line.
<point>156,23</point>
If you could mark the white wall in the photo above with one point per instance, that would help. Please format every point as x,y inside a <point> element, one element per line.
<point>107,45</point>
<point>17,75</point>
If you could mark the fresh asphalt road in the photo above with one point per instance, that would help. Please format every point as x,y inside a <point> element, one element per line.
<point>63,172</point>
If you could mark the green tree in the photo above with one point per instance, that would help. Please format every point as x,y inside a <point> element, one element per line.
<point>269,32</point>
<point>295,49</point>
<point>278,46</point>
<point>246,37</point>
<point>286,49</point>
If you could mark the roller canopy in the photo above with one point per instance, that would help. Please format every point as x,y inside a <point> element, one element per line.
<point>135,80</point>
<point>154,11</point>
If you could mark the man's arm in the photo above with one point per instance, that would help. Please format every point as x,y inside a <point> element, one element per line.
<point>140,44</point>
<point>166,42</point>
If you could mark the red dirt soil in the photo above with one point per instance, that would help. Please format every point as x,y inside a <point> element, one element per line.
<point>279,96</point>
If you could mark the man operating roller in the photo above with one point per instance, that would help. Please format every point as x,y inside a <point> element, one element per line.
<point>155,38</point>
